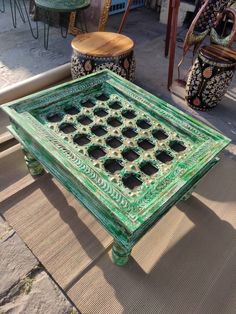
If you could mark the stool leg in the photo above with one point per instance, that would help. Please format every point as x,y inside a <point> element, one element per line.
<point>3,7</point>
<point>172,41</point>
<point>120,255</point>
<point>124,18</point>
<point>13,13</point>
<point>168,29</point>
<point>83,17</point>
<point>46,27</point>
<point>64,35</point>
<point>188,194</point>
<point>19,8</point>
<point>35,36</point>
<point>80,20</point>
<point>35,168</point>
<point>16,6</point>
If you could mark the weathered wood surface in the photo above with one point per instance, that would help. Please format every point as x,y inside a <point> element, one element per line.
<point>102,44</point>
<point>129,201</point>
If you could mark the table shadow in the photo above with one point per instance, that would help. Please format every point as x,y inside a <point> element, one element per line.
<point>198,255</point>
<point>186,270</point>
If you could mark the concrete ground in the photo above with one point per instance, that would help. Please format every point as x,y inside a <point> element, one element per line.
<point>21,56</point>
<point>25,287</point>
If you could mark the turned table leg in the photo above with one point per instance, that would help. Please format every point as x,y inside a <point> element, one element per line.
<point>188,194</point>
<point>35,168</point>
<point>120,255</point>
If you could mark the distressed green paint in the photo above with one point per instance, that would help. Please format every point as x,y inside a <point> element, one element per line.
<point>35,168</point>
<point>62,5</point>
<point>124,212</point>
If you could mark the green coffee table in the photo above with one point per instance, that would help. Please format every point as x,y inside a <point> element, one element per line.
<point>125,154</point>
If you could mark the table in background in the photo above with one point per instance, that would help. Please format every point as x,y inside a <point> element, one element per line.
<point>60,6</point>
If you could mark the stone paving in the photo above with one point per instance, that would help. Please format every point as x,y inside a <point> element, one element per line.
<point>25,287</point>
<point>21,56</point>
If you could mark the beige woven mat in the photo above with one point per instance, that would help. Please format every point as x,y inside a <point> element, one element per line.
<point>185,264</point>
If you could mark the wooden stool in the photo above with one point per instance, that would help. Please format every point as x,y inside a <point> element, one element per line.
<point>102,50</point>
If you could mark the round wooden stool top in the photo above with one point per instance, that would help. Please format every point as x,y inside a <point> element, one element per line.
<point>102,44</point>
<point>219,53</point>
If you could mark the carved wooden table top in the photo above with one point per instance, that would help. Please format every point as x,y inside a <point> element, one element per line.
<point>62,5</point>
<point>127,155</point>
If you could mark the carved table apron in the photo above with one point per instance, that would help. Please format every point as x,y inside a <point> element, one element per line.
<point>125,154</point>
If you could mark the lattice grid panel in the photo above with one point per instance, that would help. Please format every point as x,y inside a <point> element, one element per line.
<point>126,143</point>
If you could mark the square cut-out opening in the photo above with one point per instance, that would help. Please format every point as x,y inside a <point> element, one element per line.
<point>114,122</point>
<point>85,120</point>
<point>102,97</point>
<point>96,152</point>
<point>116,105</point>
<point>163,156</point>
<point>177,146</point>
<point>129,132</point>
<point>67,128</point>
<point>128,114</point>
<point>148,168</point>
<point>112,165</point>
<point>81,139</point>
<point>114,142</point>
<point>131,181</point>
<point>88,104</point>
<point>145,144</point>
<point>143,124</point>
<point>130,154</point>
<point>99,130</point>
<point>159,134</point>
<point>100,112</point>
<point>54,117</point>
<point>71,110</point>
